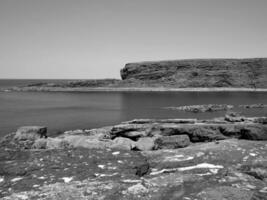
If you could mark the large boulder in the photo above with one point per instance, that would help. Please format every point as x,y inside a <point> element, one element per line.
<point>196,132</point>
<point>122,143</point>
<point>51,143</point>
<point>145,144</point>
<point>172,142</point>
<point>87,142</point>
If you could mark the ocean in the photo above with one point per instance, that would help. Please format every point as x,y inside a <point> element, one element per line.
<point>61,111</point>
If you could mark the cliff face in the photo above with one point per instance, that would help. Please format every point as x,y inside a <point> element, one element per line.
<point>250,73</point>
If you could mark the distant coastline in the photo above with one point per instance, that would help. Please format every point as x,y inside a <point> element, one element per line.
<point>129,89</point>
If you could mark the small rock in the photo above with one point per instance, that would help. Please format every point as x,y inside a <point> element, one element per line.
<point>137,189</point>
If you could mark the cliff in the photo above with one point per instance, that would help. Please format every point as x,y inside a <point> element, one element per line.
<point>247,73</point>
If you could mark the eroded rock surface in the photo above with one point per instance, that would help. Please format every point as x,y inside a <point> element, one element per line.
<point>140,159</point>
<point>250,73</point>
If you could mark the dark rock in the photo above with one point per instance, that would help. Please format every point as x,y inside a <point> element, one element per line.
<point>203,108</point>
<point>256,168</point>
<point>150,121</point>
<point>129,130</point>
<point>234,117</point>
<point>254,132</point>
<point>78,83</point>
<point>196,132</point>
<point>253,106</point>
<point>260,120</point>
<point>232,130</point>
<point>142,170</point>
<point>172,142</point>
<point>31,133</point>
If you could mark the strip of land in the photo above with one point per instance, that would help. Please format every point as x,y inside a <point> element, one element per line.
<point>129,89</point>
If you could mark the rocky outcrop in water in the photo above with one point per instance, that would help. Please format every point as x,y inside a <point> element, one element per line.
<point>249,73</point>
<point>139,159</point>
<point>202,108</point>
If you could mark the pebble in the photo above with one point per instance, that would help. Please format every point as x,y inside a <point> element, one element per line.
<point>263,190</point>
<point>67,179</point>
<point>116,153</point>
<point>101,166</point>
<point>131,181</point>
<point>22,197</point>
<point>35,186</point>
<point>16,179</point>
<point>1,179</point>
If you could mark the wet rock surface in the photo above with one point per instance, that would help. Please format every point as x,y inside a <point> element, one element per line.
<point>140,159</point>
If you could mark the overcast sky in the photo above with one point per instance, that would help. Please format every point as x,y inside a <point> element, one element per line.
<point>83,39</point>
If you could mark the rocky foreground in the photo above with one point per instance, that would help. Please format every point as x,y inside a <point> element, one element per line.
<point>217,159</point>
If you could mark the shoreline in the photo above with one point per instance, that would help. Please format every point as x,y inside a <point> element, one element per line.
<point>131,89</point>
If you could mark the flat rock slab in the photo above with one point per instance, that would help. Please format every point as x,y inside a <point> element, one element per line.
<point>31,170</point>
<point>230,169</point>
<point>195,171</point>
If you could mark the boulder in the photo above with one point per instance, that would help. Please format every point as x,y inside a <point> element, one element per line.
<point>260,120</point>
<point>122,143</point>
<point>234,117</point>
<point>89,142</point>
<point>134,135</point>
<point>172,142</point>
<point>31,133</point>
<point>145,144</point>
<point>196,132</point>
<point>122,130</point>
<point>232,130</point>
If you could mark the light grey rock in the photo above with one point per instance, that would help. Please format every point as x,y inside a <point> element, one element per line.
<point>145,143</point>
<point>123,143</point>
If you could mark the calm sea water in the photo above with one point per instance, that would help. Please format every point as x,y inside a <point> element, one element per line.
<point>61,111</point>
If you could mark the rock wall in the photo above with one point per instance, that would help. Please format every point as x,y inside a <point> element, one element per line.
<point>249,73</point>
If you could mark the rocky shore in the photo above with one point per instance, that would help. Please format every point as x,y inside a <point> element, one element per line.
<point>222,158</point>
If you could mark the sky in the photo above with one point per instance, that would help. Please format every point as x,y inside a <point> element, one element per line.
<point>85,39</point>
